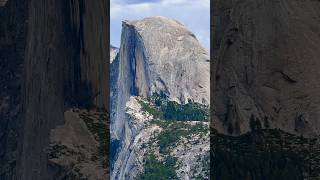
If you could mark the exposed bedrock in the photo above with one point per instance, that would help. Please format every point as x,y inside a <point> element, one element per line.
<point>267,65</point>
<point>53,57</point>
<point>157,54</point>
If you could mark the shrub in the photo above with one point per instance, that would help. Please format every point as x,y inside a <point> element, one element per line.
<point>154,169</point>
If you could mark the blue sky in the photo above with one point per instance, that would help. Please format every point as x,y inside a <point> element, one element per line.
<point>195,14</point>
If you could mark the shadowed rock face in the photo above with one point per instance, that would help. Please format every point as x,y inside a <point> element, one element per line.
<point>266,56</point>
<point>12,46</point>
<point>62,65</point>
<point>3,2</point>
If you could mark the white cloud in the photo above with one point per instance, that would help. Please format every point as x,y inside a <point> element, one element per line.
<point>204,3</point>
<point>195,14</point>
<point>120,10</point>
<point>174,2</point>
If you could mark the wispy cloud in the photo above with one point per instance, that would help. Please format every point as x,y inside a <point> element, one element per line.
<point>195,14</point>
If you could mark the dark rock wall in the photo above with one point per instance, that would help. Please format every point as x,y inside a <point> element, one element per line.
<point>43,103</point>
<point>267,55</point>
<point>56,59</point>
<point>13,18</point>
<point>87,29</point>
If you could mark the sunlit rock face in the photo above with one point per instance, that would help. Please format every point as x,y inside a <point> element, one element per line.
<point>157,54</point>
<point>79,148</point>
<point>142,136</point>
<point>113,53</point>
<point>172,59</point>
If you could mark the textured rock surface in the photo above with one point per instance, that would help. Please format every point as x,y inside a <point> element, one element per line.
<point>172,60</point>
<point>128,164</point>
<point>156,54</point>
<point>159,54</point>
<point>266,56</point>
<point>63,64</point>
<point>74,151</point>
<point>141,134</point>
<point>113,53</point>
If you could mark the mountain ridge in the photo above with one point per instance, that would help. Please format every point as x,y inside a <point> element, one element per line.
<point>156,55</point>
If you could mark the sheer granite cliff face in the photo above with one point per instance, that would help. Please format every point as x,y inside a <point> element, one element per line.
<point>63,65</point>
<point>266,56</point>
<point>174,60</point>
<point>157,54</point>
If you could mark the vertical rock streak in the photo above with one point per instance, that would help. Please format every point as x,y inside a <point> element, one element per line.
<point>65,65</point>
<point>132,81</point>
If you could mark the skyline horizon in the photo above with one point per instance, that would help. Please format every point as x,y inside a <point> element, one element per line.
<point>194,15</point>
<point>118,46</point>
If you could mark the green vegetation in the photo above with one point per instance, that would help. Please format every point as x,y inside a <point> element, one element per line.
<point>174,131</point>
<point>264,154</point>
<point>170,116</point>
<point>185,112</point>
<point>162,108</point>
<point>150,109</point>
<point>157,170</point>
<point>159,98</point>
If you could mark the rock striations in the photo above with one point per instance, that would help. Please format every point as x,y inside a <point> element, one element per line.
<point>266,89</point>
<point>174,60</point>
<point>266,55</point>
<point>58,52</point>
<point>160,54</point>
<point>157,54</point>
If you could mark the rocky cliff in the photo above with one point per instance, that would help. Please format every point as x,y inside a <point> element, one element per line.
<point>160,54</point>
<point>63,66</point>
<point>266,56</point>
<point>265,86</point>
<point>113,53</point>
<point>13,29</point>
<point>156,55</point>
<point>147,136</point>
